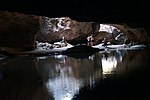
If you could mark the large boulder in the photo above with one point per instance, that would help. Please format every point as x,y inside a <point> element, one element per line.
<point>18,30</point>
<point>53,29</point>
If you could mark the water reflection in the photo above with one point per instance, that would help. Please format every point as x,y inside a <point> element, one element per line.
<point>110,61</point>
<point>64,86</point>
<point>108,64</point>
<point>59,77</point>
<point>65,76</point>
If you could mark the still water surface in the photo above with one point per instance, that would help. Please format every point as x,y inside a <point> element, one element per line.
<point>112,75</point>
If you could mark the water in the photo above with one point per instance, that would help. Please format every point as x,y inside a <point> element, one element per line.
<point>112,75</point>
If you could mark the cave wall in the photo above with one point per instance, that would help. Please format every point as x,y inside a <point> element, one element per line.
<point>53,29</point>
<point>21,31</point>
<point>135,35</point>
<point>18,30</point>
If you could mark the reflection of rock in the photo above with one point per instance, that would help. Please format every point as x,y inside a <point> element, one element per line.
<point>65,85</point>
<point>134,61</point>
<point>130,77</point>
<point>64,76</point>
<point>111,60</point>
<point>20,80</point>
<point>4,59</point>
<point>80,51</point>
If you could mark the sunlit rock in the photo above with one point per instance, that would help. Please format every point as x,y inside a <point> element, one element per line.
<point>20,31</point>
<point>53,29</point>
<point>121,34</point>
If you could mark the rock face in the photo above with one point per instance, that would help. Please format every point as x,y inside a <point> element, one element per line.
<point>18,30</point>
<point>53,29</point>
<point>21,31</point>
<point>121,34</point>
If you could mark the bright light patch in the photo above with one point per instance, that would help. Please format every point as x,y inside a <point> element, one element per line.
<point>67,97</point>
<point>108,65</point>
<point>108,28</point>
<point>64,86</point>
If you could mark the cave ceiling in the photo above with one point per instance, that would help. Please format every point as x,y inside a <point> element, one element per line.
<point>102,11</point>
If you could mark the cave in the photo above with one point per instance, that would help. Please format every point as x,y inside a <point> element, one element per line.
<point>22,31</point>
<point>26,24</point>
<point>134,16</point>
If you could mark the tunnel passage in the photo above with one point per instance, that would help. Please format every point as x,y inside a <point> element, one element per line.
<point>20,31</point>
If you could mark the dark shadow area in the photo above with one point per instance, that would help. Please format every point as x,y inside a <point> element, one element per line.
<point>136,13</point>
<point>80,51</point>
<point>19,80</point>
<point>131,85</point>
<point>117,75</point>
